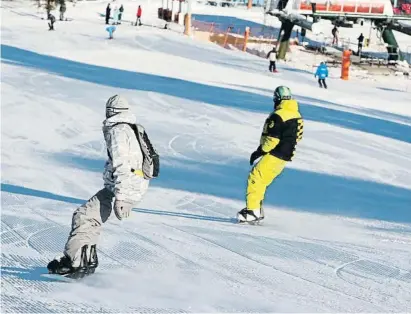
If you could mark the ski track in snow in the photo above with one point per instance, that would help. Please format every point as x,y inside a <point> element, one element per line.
<point>337,233</point>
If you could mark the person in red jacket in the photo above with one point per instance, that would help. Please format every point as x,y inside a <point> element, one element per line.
<point>139,12</point>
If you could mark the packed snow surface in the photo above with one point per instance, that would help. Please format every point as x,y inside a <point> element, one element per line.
<point>337,233</point>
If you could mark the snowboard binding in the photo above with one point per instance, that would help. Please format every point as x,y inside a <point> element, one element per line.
<point>63,267</point>
<point>252,217</point>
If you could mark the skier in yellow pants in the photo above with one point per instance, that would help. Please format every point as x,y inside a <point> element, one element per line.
<point>282,130</point>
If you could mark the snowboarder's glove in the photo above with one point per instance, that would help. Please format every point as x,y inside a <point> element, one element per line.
<point>122,209</point>
<point>255,155</point>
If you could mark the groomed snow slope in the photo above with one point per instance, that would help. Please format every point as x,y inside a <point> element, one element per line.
<point>337,234</point>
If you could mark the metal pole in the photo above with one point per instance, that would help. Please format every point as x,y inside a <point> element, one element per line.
<point>369,36</point>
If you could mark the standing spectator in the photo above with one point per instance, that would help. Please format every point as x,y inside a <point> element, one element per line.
<point>139,13</point>
<point>121,10</point>
<point>115,15</point>
<point>272,56</point>
<point>108,11</point>
<point>335,35</point>
<point>49,7</point>
<point>302,35</point>
<point>360,42</point>
<point>322,73</point>
<point>62,10</point>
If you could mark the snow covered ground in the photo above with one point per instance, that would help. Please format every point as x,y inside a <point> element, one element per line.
<point>337,234</point>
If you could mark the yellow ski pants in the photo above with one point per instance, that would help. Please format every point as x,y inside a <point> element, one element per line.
<point>260,177</point>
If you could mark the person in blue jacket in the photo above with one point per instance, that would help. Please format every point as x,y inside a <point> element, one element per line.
<point>111,29</point>
<point>322,73</point>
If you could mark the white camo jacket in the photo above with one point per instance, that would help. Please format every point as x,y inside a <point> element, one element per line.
<point>124,154</point>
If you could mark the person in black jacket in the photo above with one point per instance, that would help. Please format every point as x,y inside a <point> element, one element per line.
<point>62,10</point>
<point>272,56</point>
<point>120,14</point>
<point>52,21</point>
<point>108,11</point>
<point>360,42</point>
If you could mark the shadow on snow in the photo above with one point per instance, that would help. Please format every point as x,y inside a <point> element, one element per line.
<point>30,273</point>
<point>14,189</point>
<point>198,92</point>
<point>295,189</point>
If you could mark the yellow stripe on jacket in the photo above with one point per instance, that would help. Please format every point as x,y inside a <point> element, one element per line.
<point>138,173</point>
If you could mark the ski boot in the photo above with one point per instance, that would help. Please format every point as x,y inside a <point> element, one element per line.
<point>250,216</point>
<point>61,266</point>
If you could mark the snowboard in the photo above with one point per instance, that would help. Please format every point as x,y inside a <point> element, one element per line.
<point>59,278</point>
<point>64,278</point>
<point>250,223</point>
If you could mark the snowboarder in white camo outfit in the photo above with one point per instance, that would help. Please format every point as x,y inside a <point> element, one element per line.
<point>125,181</point>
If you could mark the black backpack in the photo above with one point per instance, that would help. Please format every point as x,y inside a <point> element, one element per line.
<point>151,159</point>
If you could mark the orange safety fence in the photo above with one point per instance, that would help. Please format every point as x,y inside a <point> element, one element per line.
<point>233,36</point>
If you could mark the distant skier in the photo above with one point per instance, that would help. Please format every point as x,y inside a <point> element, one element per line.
<point>111,29</point>
<point>282,130</point>
<point>131,163</point>
<point>108,12</point>
<point>360,42</point>
<point>272,56</point>
<point>322,73</point>
<point>52,21</point>
<point>139,13</point>
<point>334,32</point>
<point>120,14</point>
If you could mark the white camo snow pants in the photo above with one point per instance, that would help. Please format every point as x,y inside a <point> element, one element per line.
<point>86,223</point>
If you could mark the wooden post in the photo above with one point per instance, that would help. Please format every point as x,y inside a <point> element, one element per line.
<point>236,38</point>
<point>187,20</point>
<point>187,23</point>
<point>226,36</point>
<point>211,28</point>
<point>345,64</point>
<point>246,35</point>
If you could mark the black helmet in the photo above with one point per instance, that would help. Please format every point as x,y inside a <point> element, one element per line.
<point>281,93</point>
